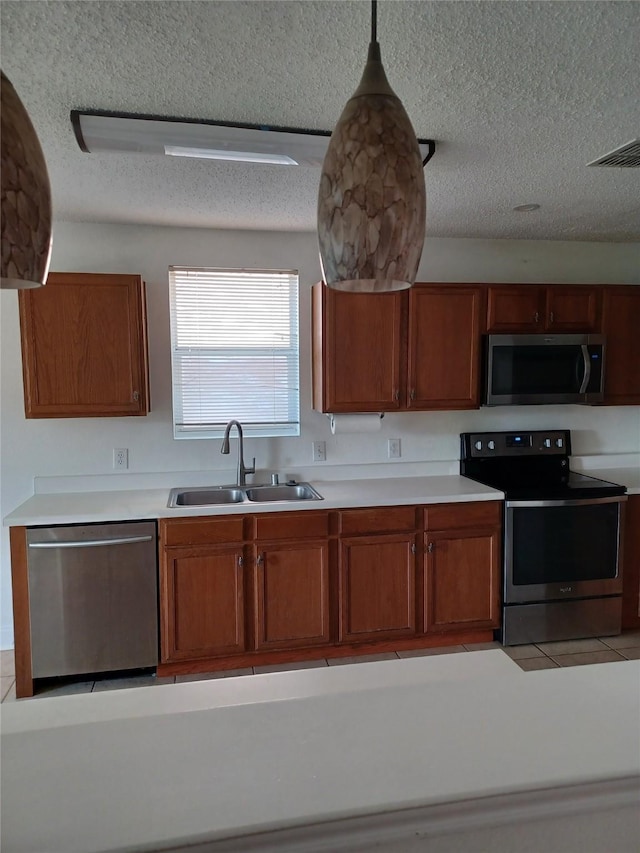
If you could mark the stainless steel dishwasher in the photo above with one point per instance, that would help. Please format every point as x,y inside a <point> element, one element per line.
<point>93,597</point>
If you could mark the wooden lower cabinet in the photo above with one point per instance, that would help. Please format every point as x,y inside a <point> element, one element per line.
<point>291,594</point>
<point>239,591</point>
<point>631,565</point>
<point>462,567</point>
<point>204,607</point>
<point>377,587</point>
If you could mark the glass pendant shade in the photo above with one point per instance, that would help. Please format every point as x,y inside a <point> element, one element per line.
<point>372,200</point>
<point>26,197</point>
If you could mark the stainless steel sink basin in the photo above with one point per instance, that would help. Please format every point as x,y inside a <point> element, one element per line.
<point>284,492</point>
<point>216,495</point>
<point>205,496</point>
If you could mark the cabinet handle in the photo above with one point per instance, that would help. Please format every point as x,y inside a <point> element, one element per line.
<point>412,395</point>
<point>413,548</point>
<point>136,396</point>
<point>430,548</point>
<point>260,559</point>
<point>396,395</point>
<point>551,317</point>
<point>536,317</point>
<point>240,562</point>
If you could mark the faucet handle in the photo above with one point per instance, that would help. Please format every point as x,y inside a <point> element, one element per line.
<point>275,480</point>
<point>251,470</point>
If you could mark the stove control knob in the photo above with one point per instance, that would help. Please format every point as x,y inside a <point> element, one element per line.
<point>559,442</point>
<point>478,445</point>
<point>547,442</point>
<point>491,445</point>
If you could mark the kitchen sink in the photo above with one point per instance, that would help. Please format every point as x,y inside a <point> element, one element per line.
<point>205,496</point>
<point>216,495</point>
<point>284,492</point>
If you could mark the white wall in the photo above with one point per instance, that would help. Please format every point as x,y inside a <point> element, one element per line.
<point>57,447</point>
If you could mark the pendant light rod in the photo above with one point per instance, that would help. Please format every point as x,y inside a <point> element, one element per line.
<point>374,20</point>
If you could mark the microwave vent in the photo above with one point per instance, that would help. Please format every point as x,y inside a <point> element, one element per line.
<point>626,155</point>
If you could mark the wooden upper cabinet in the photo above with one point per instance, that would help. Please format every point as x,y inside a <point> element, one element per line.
<point>573,309</point>
<point>356,350</point>
<point>621,327</point>
<point>84,346</point>
<point>444,347</point>
<point>513,308</point>
<point>411,350</point>
<point>532,308</point>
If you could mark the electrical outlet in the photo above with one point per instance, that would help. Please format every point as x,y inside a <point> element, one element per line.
<point>120,457</point>
<point>393,448</point>
<point>319,451</point>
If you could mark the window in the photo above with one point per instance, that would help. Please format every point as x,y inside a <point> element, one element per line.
<point>234,351</point>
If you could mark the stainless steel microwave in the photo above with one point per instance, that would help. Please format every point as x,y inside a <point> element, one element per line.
<point>543,369</point>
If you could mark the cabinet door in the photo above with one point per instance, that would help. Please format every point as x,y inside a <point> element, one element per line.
<point>631,565</point>
<point>462,580</point>
<point>573,309</point>
<point>377,587</point>
<point>84,348</point>
<point>444,347</point>
<point>292,594</point>
<point>515,308</point>
<point>621,326</point>
<point>357,350</point>
<point>202,612</point>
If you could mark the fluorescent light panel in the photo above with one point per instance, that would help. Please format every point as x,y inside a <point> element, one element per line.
<point>238,156</point>
<point>99,132</point>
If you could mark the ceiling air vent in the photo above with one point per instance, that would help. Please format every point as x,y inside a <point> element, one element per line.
<point>627,155</point>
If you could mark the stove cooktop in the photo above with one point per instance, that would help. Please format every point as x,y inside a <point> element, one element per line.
<point>529,466</point>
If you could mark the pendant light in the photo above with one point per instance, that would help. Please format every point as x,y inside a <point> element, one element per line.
<point>371,201</point>
<point>25,199</point>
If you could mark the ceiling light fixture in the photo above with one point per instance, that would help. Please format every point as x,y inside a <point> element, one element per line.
<point>372,201</point>
<point>99,132</point>
<point>25,198</point>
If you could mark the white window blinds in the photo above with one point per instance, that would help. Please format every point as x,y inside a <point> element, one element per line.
<point>234,348</point>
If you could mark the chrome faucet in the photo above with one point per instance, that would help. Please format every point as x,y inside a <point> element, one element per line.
<point>241,477</point>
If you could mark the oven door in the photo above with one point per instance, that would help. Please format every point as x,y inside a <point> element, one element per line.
<point>565,549</point>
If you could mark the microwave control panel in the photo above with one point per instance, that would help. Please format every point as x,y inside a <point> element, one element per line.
<point>484,445</point>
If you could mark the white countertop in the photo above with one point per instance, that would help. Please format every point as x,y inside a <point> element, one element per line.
<point>629,477</point>
<point>136,504</point>
<point>152,767</point>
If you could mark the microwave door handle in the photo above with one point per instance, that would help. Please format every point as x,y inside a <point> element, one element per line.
<point>587,369</point>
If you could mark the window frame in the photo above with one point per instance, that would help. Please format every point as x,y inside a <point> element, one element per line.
<point>183,428</point>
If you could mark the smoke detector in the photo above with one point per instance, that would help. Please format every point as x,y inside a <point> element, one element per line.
<point>626,155</point>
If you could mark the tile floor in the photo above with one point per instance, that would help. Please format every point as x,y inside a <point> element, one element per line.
<point>626,646</point>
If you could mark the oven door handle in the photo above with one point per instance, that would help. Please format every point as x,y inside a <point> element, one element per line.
<point>576,502</point>
<point>587,369</point>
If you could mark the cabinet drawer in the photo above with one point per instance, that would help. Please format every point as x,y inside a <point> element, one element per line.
<point>377,520</point>
<point>448,516</point>
<point>292,525</point>
<point>201,531</point>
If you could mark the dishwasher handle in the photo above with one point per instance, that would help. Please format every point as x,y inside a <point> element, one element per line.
<point>91,543</point>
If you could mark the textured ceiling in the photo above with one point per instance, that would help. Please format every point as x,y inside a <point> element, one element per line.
<point>518,95</point>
